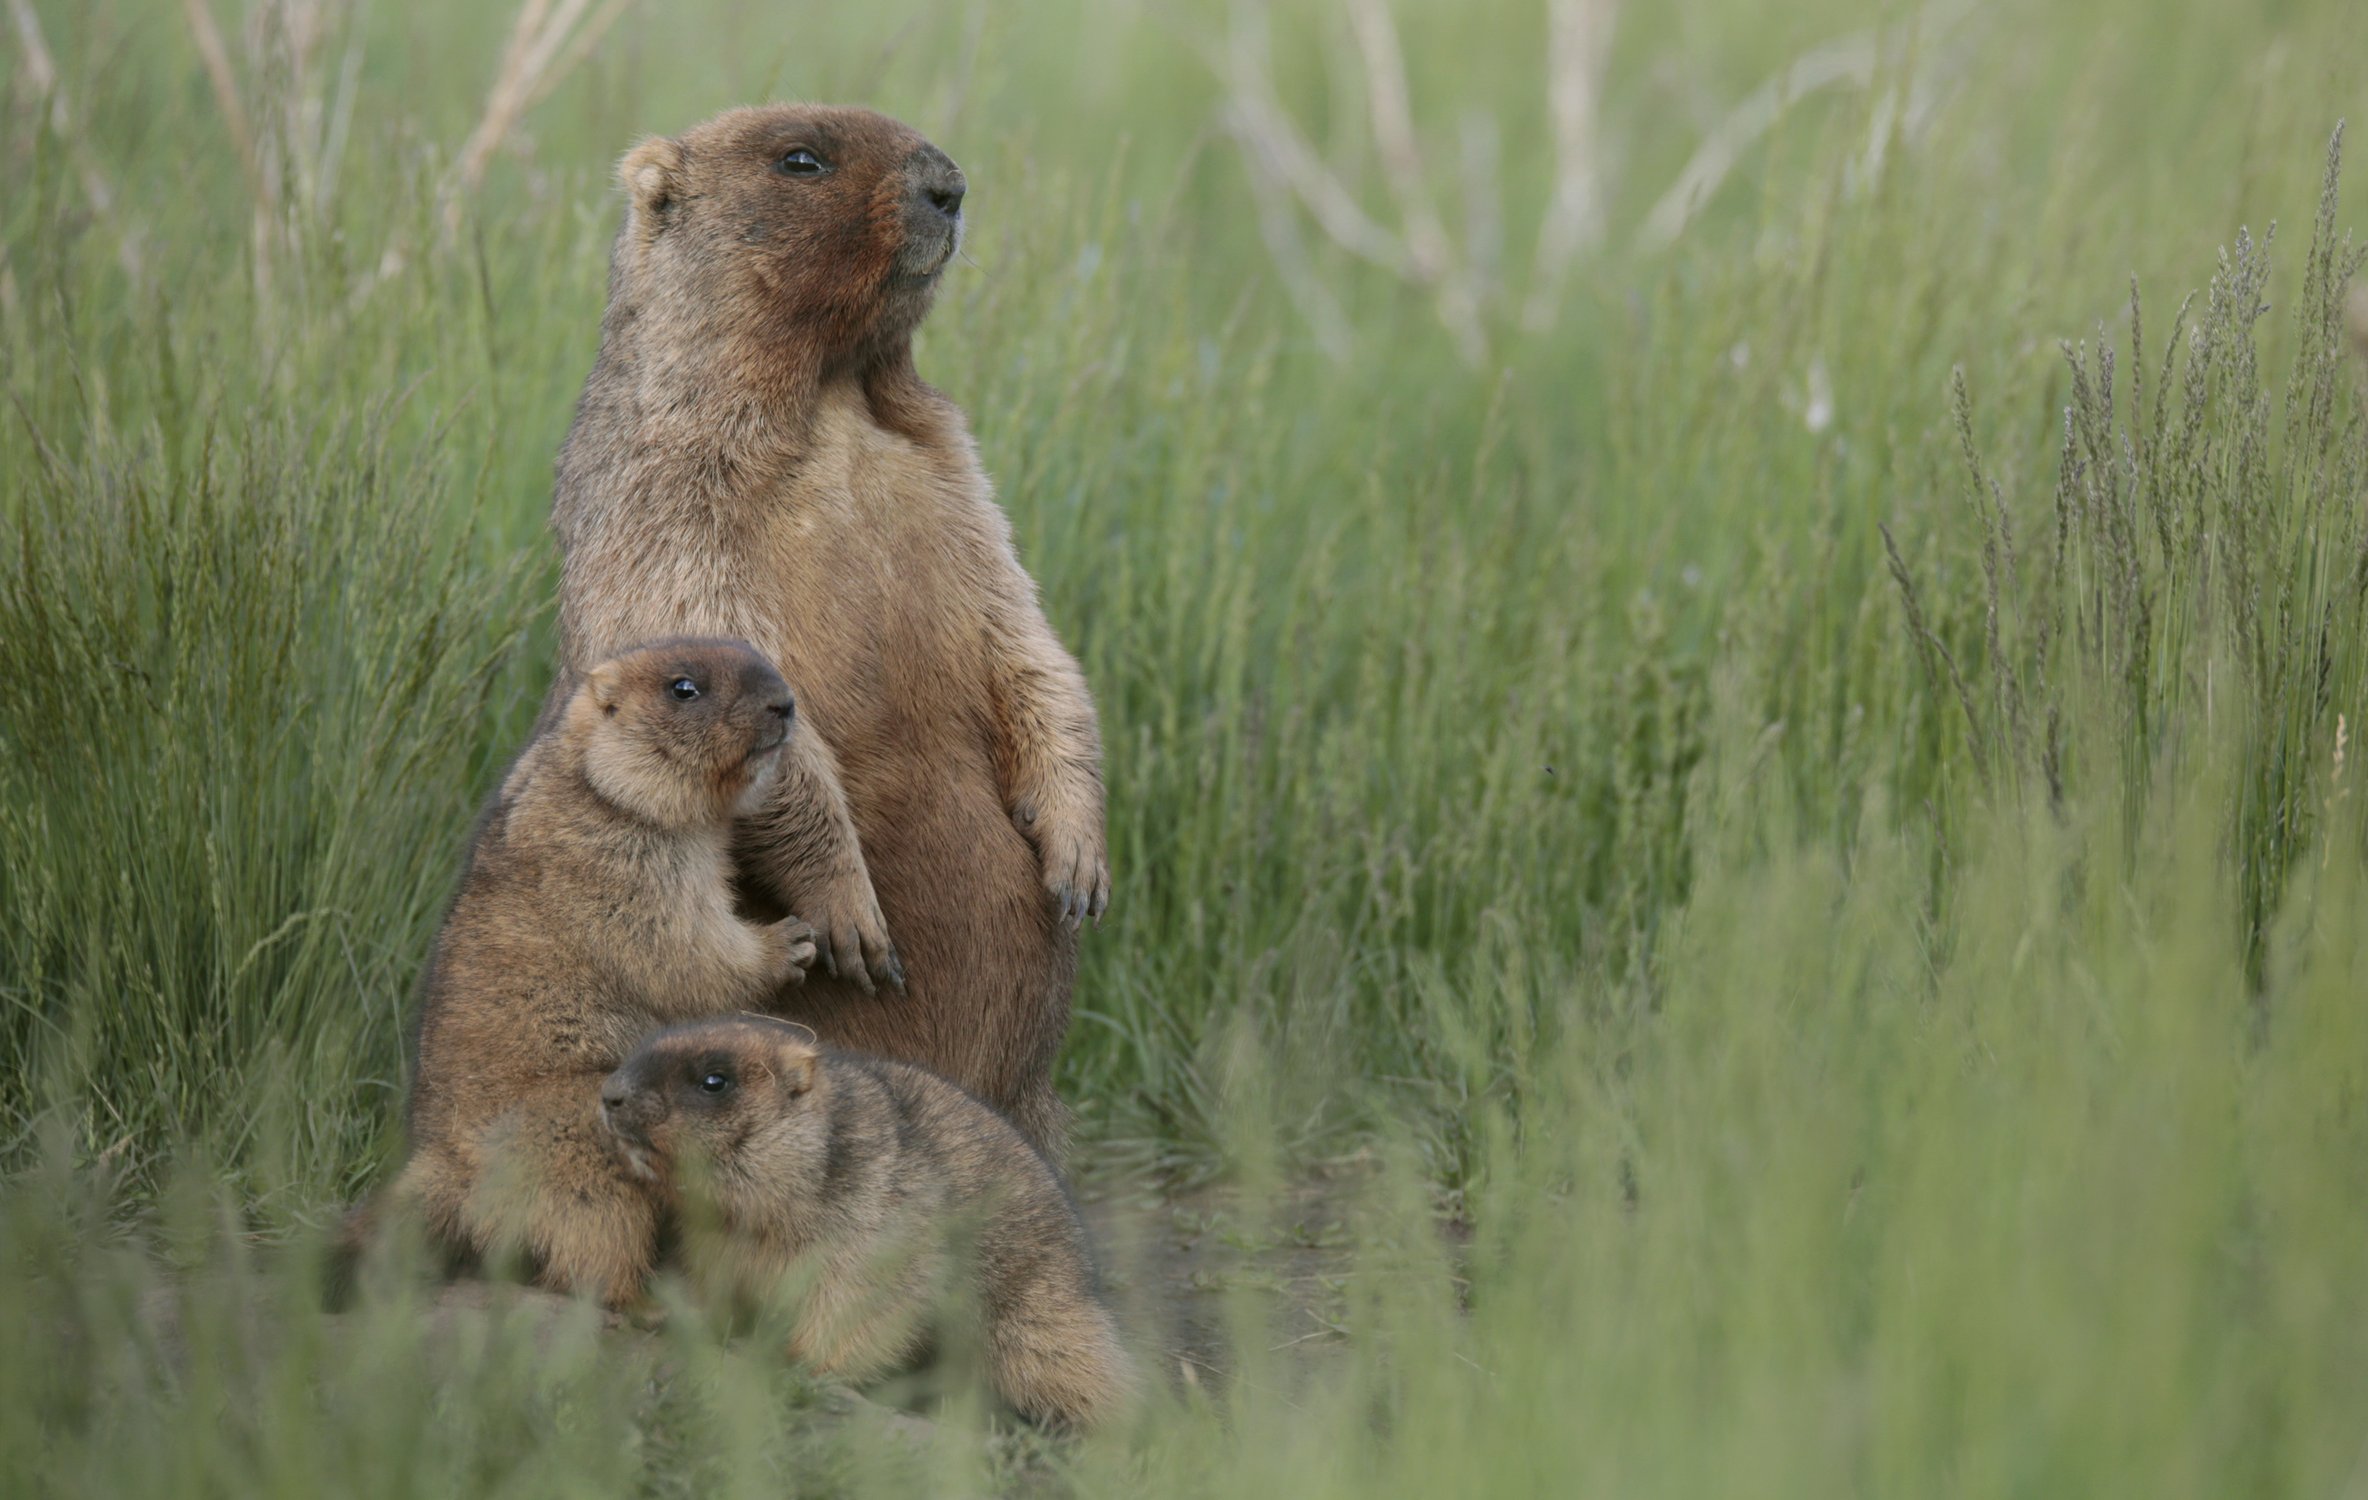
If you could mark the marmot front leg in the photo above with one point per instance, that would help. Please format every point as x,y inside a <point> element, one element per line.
<point>802,846</point>
<point>1050,752</point>
<point>554,1191</point>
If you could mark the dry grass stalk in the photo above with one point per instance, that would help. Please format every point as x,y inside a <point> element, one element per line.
<point>1483,200</point>
<point>216,57</point>
<point>285,127</point>
<point>41,71</point>
<point>1279,229</point>
<point>590,37</point>
<point>1417,247</point>
<point>507,99</point>
<point>1389,102</point>
<point>1578,45</point>
<point>44,87</point>
<point>1861,60</point>
<point>546,44</point>
<point>1273,144</point>
<point>1849,60</point>
<point>536,58</point>
<point>1430,254</point>
<point>285,43</point>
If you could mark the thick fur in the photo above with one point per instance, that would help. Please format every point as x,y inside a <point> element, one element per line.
<point>597,905</point>
<point>869,1194</point>
<point>754,455</point>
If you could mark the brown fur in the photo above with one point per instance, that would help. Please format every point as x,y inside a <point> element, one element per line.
<point>868,1191</point>
<point>755,455</point>
<point>597,904</point>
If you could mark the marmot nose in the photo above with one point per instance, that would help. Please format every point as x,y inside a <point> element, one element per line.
<point>613,1094</point>
<point>938,182</point>
<point>783,709</point>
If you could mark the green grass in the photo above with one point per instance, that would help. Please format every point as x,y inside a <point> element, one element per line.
<point>1845,878</point>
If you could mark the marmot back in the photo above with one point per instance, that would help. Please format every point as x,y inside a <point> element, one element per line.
<point>870,1192</point>
<point>755,455</point>
<point>597,904</point>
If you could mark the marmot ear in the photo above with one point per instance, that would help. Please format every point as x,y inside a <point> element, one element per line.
<point>604,684</point>
<point>651,173</point>
<point>798,1062</point>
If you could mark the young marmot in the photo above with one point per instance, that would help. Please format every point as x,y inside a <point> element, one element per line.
<point>755,455</point>
<point>597,904</point>
<point>868,1191</point>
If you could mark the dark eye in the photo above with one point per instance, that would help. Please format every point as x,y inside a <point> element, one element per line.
<point>714,1083</point>
<point>683,689</point>
<point>801,163</point>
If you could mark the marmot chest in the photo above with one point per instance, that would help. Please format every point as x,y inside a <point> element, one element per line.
<point>862,575</point>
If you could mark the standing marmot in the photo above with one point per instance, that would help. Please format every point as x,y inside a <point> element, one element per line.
<point>754,455</point>
<point>868,1190</point>
<point>597,904</point>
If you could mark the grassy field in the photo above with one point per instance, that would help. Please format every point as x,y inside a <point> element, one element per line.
<point>1771,814</point>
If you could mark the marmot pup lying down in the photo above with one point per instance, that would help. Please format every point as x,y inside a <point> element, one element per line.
<point>869,1191</point>
<point>597,906</point>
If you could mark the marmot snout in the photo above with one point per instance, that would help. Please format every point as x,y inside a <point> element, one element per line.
<point>871,1194</point>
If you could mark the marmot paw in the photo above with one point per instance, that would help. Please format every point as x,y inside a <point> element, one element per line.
<point>851,938</point>
<point>791,944</point>
<point>1077,876</point>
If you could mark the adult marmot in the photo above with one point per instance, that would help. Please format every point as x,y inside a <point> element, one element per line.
<point>597,905</point>
<point>868,1192</point>
<point>754,455</point>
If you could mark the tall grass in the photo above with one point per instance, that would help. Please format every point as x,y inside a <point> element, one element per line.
<point>1828,1216</point>
<point>244,691</point>
<point>1806,811</point>
<point>2204,563</point>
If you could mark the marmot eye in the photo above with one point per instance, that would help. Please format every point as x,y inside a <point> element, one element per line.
<point>714,1083</point>
<point>800,163</point>
<point>683,689</point>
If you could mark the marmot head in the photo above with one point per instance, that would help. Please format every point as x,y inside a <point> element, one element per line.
<point>681,733</point>
<point>814,227</point>
<point>733,1090</point>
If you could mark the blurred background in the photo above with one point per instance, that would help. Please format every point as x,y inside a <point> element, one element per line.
<point>1729,638</point>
